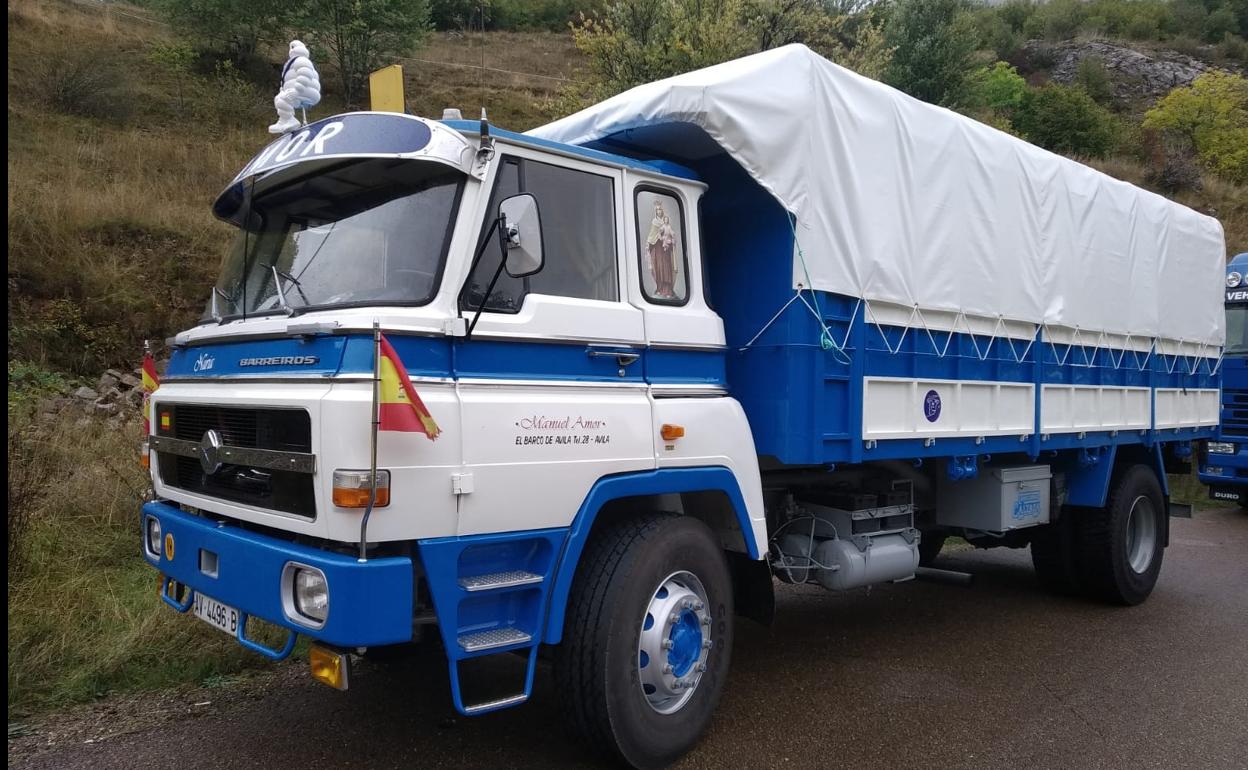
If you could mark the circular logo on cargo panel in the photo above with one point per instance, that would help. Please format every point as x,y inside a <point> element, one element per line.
<point>931,406</point>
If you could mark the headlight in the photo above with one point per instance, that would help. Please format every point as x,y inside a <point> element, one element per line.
<point>311,594</point>
<point>1221,448</point>
<point>151,528</point>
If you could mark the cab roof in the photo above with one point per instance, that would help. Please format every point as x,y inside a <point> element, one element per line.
<point>653,166</point>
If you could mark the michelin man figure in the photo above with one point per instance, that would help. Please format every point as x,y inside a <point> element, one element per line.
<point>301,89</point>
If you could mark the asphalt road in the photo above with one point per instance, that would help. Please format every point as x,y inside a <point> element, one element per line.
<point>921,674</point>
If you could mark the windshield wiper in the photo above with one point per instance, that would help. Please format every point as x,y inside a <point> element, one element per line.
<point>278,275</point>
<point>215,311</point>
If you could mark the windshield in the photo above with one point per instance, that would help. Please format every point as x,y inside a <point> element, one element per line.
<point>1236,330</point>
<point>364,232</point>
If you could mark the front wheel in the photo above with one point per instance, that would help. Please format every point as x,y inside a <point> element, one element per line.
<point>647,640</point>
<point>1120,545</point>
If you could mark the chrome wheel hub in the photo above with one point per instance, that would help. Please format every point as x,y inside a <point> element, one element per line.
<point>675,642</point>
<point>1141,534</point>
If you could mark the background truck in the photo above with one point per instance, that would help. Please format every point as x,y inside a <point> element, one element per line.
<point>1223,466</point>
<point>765,320</point>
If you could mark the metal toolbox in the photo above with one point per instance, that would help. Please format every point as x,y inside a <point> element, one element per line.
<point>997,500</point>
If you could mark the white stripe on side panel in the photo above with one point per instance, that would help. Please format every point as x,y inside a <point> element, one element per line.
<point>1187,407</point>
<point>900,407</point>
<point>1078,408</point>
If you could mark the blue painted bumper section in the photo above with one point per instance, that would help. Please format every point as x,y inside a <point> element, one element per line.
<point>370,603</point>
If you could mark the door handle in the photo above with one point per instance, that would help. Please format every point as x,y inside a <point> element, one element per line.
<point>622,358</point>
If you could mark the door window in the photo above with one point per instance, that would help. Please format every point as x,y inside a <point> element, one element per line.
<point>578,233</point>
<point>661,247</point>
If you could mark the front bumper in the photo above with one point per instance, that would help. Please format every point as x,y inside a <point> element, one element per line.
<point>370,603</point>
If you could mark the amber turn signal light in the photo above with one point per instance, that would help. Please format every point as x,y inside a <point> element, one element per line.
<point>329,667</point>
<point>672,432</point>
<point>351,489</point>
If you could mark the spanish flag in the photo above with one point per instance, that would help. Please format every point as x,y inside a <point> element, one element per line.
<point>399,406</point>
<point>150,383</point>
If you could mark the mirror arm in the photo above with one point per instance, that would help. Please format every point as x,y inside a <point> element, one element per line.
<point>486,298</point>
<point>489,231</point>
<point>501,223</point>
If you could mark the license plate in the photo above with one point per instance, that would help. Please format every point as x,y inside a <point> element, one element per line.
<point>216,614</point>
<point>1220,495</point>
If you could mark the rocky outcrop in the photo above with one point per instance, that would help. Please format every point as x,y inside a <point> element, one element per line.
<point>117,397</point>
<point>1135,75</point>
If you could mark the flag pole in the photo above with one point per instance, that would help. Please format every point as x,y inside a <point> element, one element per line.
<point>372,470</point>
<point>147,417</point>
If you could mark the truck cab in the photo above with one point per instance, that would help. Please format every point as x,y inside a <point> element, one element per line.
<point>1223,466</point>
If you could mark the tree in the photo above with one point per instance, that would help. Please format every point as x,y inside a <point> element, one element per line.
<point>934,44</point>
<point>235,27</point>
<point>362,35</point>
<point>1065,119</point>
<point>1212,114</point>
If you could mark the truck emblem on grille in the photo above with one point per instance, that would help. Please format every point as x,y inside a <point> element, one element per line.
<point>210,452</point>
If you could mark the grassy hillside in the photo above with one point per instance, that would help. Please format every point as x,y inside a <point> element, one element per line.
<point>115,158</point>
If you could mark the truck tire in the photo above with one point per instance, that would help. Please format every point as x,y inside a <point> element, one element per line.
<point>1120,545</point>
<point>639,680</point>
<point>930,544</point>
<point>1054,554</point>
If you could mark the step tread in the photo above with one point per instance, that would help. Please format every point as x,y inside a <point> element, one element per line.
<point>516,577</point>
<point>510,700</point>
<point>494,637</point>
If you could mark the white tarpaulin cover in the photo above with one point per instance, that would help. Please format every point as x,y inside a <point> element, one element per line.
<point>899,201</point>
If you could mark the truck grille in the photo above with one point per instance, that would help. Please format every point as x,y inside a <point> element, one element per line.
<point>286,430</point>
<point>1235,413</point>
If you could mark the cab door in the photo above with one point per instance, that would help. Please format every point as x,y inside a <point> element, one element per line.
<point>552,381</point>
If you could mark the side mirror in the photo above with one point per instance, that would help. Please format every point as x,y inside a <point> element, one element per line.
<point>522,237</point>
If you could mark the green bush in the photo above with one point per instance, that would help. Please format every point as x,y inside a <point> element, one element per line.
<point>81,85</point>
<point>1212,113</point>
<point>1066,119</point>
<point>1056,20</point>
<point>1188,46</point>
<point>1233,49</point>
<point>998,88</point>
<point>1094,78</point>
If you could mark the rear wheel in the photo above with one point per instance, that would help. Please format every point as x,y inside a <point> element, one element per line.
<point>647,639</point>
<point>1120,545</point>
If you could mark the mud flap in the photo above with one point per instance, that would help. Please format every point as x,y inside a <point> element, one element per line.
<point>753,588</point>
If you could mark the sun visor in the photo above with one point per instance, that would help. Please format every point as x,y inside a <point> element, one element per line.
<point>354,135</point>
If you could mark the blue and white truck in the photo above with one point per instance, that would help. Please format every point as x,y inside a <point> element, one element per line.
<point>768,320</point>
<point>1223,466</point>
